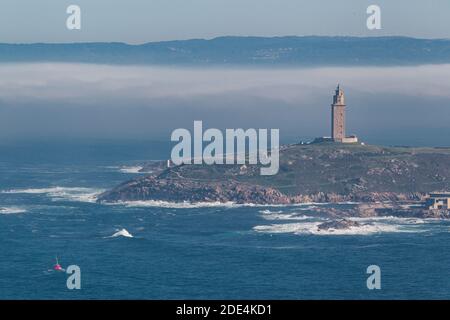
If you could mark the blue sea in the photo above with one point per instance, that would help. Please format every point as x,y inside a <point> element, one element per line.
<point>156,250</point>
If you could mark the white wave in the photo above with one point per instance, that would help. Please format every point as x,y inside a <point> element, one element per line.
<point>278,215</point>
<point>315,204</point>
<point>174,205</point>
<point>393,219</point>
<point>131,169</point>
<point>270,212</point>
<point>11,210</point>
<point>313,228</point>
<point>122,233</point>
<point>189,205</point>
<point>62,193</point>
<point>309,207</point>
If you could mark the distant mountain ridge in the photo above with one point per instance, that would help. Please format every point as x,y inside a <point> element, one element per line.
<point>252,51</point>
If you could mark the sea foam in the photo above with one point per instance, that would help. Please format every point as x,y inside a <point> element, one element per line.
<point>11,210</point>
<point>190,205</point>
<point>62,193</point>
<point>279,215</point>
<point>131,169</point>
<point>122,233</point>
<point>174,205</point>
<point>312,228</point>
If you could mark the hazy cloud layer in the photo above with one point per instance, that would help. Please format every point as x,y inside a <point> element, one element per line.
<point>68,81</point>
<point>125,101</point>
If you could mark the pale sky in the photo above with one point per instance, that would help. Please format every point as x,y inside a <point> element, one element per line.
<point>139,21</point>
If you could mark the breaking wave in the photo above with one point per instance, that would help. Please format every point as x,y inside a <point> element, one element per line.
<point>392,219</point>
<point>373,226</point>
<point>122,233</point>
<point>312,228</point>
<point>279,215</point>
<point>11,210</point>
<point>190,205</point>
<point>132,169</point>
<point>175,205</point>
<point>266,212</point>
<point>62,193</point>
<point>230,204</point>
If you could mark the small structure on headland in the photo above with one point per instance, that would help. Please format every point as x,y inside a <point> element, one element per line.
<point>438,201</point>
<point>338,120</point>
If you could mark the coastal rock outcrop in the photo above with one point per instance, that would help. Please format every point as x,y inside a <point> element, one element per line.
<point>328,172</point>
<point>179,190</point>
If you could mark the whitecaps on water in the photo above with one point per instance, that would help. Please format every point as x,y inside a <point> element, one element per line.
<point>62,193</point>
<point>11,210</point>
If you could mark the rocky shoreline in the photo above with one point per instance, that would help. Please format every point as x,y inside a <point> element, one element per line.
<point>179,190</point>
<point>386,181</point>
<point>384,209</point>
<point>365,204</point>
<point>175,190</point>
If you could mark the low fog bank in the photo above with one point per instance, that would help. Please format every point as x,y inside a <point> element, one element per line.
<point>394,106</point>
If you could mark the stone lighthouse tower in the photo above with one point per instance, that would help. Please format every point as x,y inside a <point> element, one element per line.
<point>338,116</point>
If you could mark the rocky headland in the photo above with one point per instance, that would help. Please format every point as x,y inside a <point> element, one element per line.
<point>386,180</point>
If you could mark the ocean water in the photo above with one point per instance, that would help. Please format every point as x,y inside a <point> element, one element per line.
<point>154,250</point>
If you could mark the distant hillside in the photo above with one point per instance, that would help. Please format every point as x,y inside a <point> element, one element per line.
<point>257,51</point>
<point>318,172</point>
